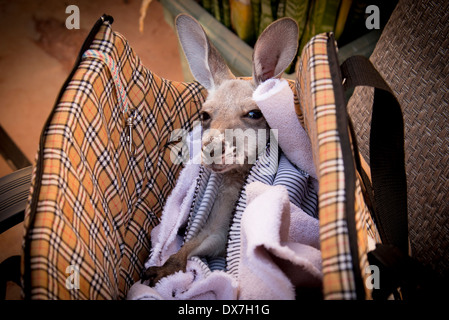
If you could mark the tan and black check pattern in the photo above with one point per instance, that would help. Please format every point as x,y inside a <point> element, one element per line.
<point>317,103</point>
<point>97,202</point>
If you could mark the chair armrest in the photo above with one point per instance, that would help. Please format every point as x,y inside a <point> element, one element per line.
<point>14,191</point>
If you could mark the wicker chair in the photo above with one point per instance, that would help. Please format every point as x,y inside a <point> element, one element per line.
<point>412,55</point>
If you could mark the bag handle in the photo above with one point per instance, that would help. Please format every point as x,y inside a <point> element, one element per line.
<point>388,194</point>
<point>388,191</point>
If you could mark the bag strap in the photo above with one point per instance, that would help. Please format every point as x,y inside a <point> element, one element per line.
<point>388,192</point>
<point>389,187</point>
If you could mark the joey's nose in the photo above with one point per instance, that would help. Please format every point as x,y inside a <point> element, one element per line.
<point>214,145</point>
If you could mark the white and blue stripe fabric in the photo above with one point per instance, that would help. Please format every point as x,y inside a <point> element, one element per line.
<point>271,168</point>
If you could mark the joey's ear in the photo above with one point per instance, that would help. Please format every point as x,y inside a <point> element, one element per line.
<point>275,50</point>
<point>207,65</point>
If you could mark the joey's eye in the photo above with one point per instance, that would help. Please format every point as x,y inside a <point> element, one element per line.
<point>204,116</point>
<point>254,114</point>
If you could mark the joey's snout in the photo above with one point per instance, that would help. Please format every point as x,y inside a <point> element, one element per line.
<point>232,149</point>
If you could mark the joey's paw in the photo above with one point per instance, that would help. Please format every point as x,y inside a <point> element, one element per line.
<point>153,274</point>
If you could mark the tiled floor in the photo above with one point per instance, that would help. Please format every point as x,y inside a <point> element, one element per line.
<point>37,52</point>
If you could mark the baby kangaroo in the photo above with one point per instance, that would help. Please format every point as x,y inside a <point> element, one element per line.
<point>229,106</point>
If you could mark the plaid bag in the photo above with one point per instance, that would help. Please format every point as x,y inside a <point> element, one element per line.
<point>103,172</point>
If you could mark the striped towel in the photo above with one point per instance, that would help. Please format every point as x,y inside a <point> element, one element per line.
<point>298,184</point>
